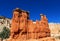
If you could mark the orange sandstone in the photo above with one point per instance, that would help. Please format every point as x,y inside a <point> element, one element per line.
<point>24,28</point>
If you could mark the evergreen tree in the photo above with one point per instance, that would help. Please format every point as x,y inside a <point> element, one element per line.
<point>5,33</point>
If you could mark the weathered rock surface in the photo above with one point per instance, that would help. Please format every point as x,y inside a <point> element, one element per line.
<point>22,28</point>
<point>41,39</point>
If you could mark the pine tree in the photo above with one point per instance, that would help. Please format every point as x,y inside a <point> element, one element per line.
<point>5,33</point>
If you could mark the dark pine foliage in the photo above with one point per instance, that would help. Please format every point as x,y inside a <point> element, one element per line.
<point>5,33</point>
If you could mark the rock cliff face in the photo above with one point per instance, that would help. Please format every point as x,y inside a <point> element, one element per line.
<point>5,21</point>
<point>24,28</point>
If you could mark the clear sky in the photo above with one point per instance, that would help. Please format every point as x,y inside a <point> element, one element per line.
<point>51,8</point>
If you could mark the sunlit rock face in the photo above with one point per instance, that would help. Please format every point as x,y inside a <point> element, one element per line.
<point>24,28</point>
<point>5,21</point>
<point>55,29</point>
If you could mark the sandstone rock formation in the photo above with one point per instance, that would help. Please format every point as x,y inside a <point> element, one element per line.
<point>24,28</point>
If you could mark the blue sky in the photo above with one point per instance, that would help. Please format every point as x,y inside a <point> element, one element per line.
<point>51,8</point>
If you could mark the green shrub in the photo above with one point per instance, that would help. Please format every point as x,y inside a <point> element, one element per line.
<point>5,33</point>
